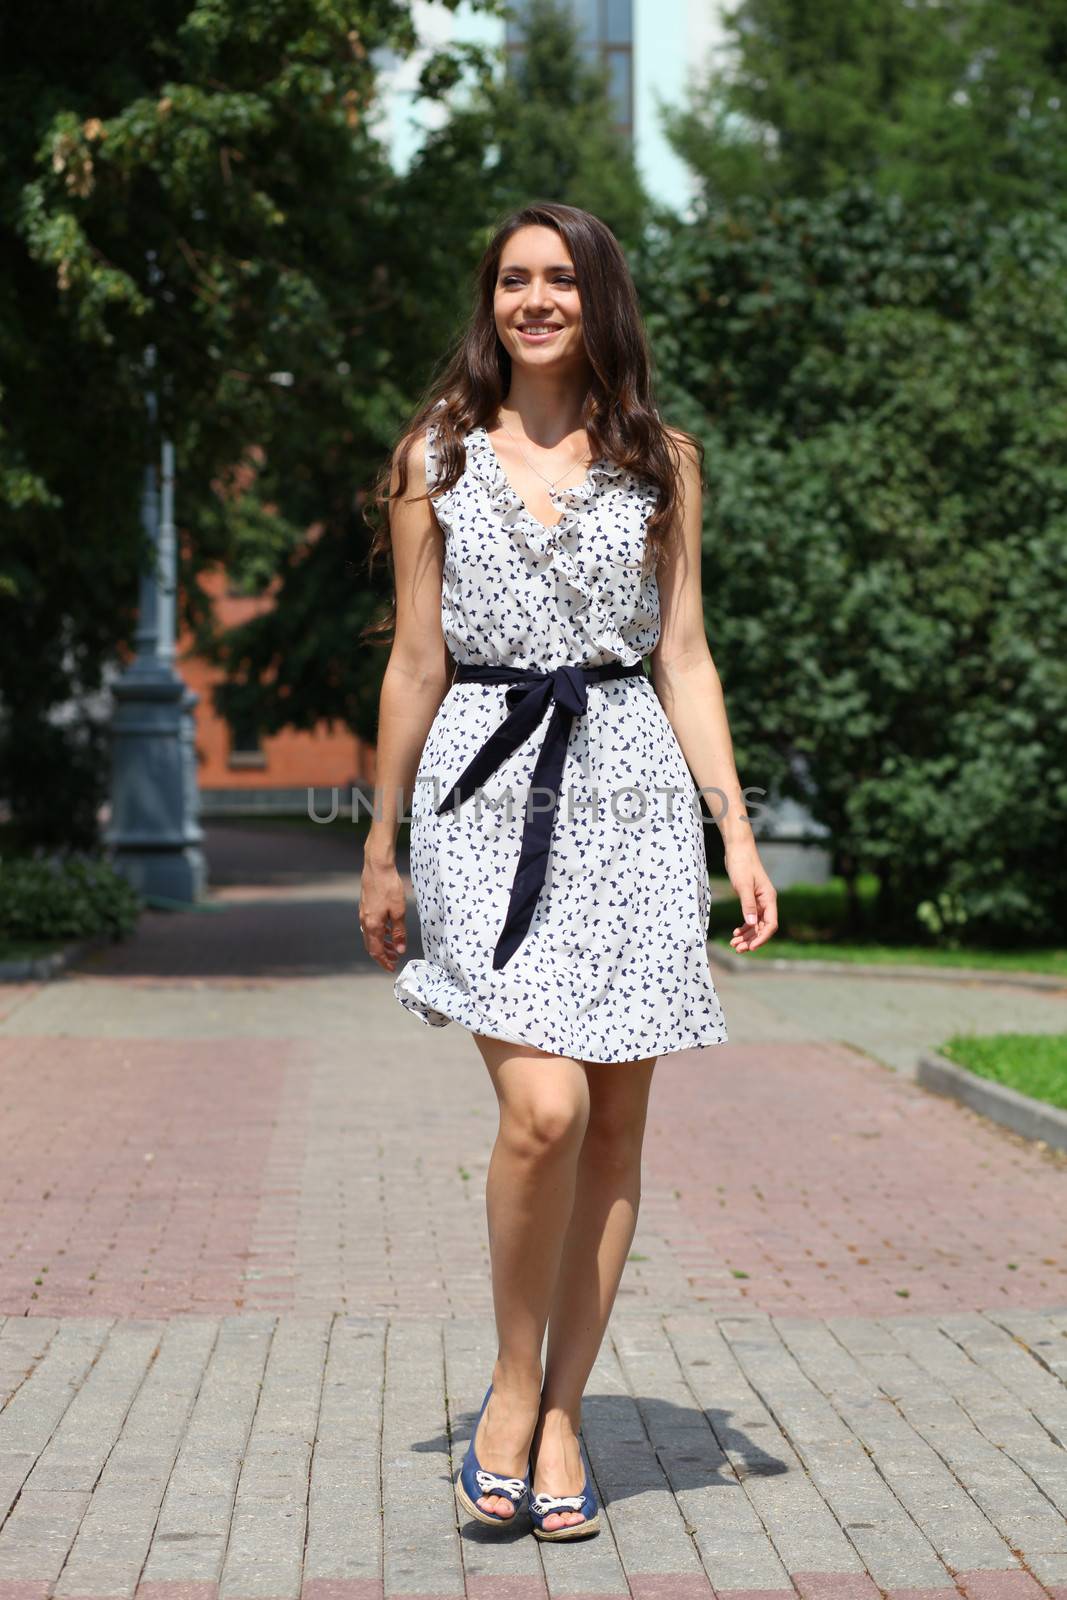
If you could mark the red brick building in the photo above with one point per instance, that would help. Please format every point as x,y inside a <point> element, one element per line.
<point>237,767</point>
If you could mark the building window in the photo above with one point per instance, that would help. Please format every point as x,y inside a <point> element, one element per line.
<point>605,34</point>
<point>246,749</point>
<point>618,22</point>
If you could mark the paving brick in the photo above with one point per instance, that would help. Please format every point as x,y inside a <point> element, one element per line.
<point>421,1547</point>
<point>191,1534</point>
<point>648,1524</point>
<point>113,1538</point>
<point>812,1194</point>
<point>728,1534</point>
<point>265,1553</point>
<point>246,1318</point>
<point>724,1368</point>
<point>41,1525</point>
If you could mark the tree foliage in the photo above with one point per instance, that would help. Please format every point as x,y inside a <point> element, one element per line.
<point>542,130</point>
<point>935,100</point>
<point>875,359</point>
<point>883,393</point>
<point>204,179</point>
<point>199,178</point>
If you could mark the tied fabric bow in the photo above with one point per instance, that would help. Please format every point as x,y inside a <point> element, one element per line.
<point>490,1483</point>
<point>544,1504</point>
<point>564,689</point>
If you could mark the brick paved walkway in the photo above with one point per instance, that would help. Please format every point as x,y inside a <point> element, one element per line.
<point>245,1317</point>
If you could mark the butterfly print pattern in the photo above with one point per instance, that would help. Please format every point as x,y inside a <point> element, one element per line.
<point>614,966</point>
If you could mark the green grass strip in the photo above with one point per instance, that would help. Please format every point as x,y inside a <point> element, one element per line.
<point>1035,1064</point>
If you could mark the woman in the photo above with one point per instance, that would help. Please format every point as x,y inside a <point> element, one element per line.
<point>557,847</point>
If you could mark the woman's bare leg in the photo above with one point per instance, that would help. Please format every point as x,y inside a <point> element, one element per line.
<point>530,1188</point>
<point>598,1240</point>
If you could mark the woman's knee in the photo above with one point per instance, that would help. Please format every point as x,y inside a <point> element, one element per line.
<point>544,1099</point>
<point>545,1124</point>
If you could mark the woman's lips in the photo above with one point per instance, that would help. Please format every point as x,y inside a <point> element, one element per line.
<point>538,338</point>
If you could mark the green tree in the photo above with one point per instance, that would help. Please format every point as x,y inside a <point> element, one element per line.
<point>543,130</point>
<point>201,178</point>
<point>940,100</point>
<point>883,395</point>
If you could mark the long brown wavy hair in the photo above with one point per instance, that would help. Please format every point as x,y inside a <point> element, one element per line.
<point>619,412</point>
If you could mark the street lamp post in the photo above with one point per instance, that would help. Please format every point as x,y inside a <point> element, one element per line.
<point>154,834</point>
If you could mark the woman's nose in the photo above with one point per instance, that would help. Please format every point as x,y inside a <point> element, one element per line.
<point>537,298</point>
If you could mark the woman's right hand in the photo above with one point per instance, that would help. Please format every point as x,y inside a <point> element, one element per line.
<point>381,912</point>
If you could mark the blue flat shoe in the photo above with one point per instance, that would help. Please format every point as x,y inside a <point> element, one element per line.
<point>543,1505</point>
<point>474,1480</point>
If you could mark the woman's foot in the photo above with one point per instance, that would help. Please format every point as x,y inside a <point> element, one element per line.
<point>502,1437</point>
<point>558,1466</point>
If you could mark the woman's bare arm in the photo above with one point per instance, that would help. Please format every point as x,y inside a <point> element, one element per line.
<point>685,678</point>
<point>415,682</point>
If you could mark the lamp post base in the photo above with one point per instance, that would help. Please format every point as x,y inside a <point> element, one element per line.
<point>154,837</point>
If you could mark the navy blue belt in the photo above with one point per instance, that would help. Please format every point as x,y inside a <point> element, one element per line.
<point>564,689</point>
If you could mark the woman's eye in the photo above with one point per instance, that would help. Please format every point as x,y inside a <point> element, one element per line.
<point>511,282</point>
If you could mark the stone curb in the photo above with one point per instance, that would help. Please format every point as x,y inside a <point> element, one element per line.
<point>44,967</point>
<point>1032,1118</point>
<point>730,961</point>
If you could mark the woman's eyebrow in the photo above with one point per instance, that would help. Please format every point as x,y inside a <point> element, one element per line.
<point>559,266</point>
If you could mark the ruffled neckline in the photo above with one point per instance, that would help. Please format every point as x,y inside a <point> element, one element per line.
<point>509,504</point>
<point>551,543</point>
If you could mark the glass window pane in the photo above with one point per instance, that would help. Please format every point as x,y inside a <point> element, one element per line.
<point>587,18</point>
<point>244,736</point>
<point>618,21</point>
<point>619,64</point>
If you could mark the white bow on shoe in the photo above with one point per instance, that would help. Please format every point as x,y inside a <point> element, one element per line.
<point>490,1483</point>
<point>544,1503</point>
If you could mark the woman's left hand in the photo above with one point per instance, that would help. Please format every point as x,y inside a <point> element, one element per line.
<point>756,892</point>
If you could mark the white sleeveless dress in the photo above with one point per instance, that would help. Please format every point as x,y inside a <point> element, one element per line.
<point>614,965</point>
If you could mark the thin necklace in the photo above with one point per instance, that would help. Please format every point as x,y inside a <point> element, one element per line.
<point>550,481</point>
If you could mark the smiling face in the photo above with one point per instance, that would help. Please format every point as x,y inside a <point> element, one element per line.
<point>536,306</point>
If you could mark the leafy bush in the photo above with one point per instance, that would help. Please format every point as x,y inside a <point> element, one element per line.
<point>882,391</point>
<point>73,897</point>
